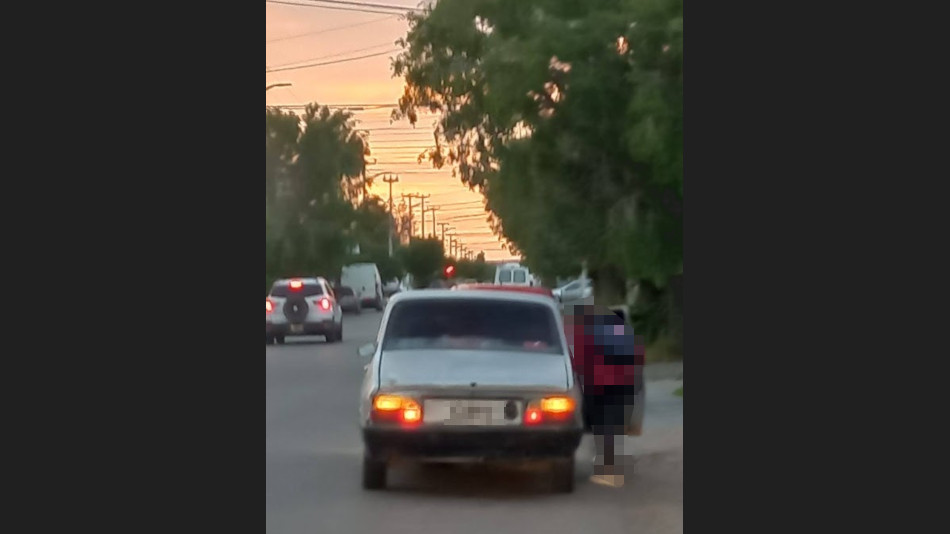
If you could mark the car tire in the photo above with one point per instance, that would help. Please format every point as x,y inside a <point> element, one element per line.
<point>269,340</point>
<point>562,471</point>
<point>374,474</point>
<point>280,340</point>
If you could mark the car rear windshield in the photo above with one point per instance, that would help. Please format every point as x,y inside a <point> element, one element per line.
<point>308,290</point>
<point>520,277</point>
<point>504,276</point>
<point>473,324</point>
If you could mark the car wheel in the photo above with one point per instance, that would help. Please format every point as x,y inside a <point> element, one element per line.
<point>269,340</point>
<point>562,472</point>
<point>280,340</point>
<point>374,474</point>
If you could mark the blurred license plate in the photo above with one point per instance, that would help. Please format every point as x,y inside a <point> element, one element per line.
<point>296,329</point>
<point>465,412</point>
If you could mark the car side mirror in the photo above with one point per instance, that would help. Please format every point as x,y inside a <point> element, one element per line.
<point>367,350</point>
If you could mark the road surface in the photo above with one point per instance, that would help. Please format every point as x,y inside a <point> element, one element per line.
<point>314,451</point>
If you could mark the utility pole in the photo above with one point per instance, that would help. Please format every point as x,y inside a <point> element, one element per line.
<point>410,196</point>
<point>433,209</point>
<point>422,199</point>
<point>443,225</point>
<point>423,207</point>
<point>391,180</point>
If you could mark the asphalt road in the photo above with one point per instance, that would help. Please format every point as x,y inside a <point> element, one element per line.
<point>314,452</point>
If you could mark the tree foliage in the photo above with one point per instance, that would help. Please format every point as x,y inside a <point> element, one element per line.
<point>317,209</point>
<point>423,259</point>
<point>567,116</point>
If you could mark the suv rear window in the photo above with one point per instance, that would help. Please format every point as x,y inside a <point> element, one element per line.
<point>473,324</point>
<point>309,289</point>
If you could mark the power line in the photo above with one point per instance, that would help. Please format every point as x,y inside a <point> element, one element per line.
<point>463,202</point>
<point>338,54</point>
<point>367,4</point>
<point>329,7</point>
<point>332,62</point>
<point>337,106</point>
<point>328,30</point>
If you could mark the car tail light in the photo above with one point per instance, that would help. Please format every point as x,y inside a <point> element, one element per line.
<point>549,410</point>
<point>388,403</point>
<point>532,415</point>
<point>296,285</point>
<point>396,408</point>
<point>557,405</point>
<point>324,303</point>
<point>269,305</point>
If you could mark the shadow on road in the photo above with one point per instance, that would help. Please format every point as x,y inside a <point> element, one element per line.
<point>488,480</point>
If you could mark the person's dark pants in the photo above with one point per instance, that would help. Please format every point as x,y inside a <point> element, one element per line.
<point>607,408</point>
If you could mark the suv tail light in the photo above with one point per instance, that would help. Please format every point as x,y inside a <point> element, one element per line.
<point>396,408</point>
<point>269,305</point>
<point>324,303</point>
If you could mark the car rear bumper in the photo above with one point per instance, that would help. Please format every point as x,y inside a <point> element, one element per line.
<point>311,328</point>
<point>488,444</point>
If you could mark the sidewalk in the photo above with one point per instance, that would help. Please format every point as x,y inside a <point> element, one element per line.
<point>663,371</point>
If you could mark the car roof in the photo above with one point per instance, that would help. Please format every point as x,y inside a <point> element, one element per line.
<point>505,293</point>
<point>498,287</point>
<point>305,279</point>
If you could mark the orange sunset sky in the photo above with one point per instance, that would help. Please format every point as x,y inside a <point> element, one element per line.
<point>317,33</point>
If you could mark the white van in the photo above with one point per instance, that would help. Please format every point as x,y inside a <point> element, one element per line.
<point>364,280</point>
<point>513,274</point>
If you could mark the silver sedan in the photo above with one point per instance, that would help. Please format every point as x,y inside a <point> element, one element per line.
<point>470,375</point>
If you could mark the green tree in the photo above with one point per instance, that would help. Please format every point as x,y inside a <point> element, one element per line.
<point>423,259</point>
<point>475,269</point>
<point>315,168</point>
<point>574,105</point>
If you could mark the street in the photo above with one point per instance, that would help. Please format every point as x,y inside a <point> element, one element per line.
<point>313,453</point>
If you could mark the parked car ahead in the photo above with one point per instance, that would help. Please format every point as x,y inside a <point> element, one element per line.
<point>348,300</point>
<point>576,290</point>
<point>470,375</point>
<point>366,283</point>
<point>392,287</point>
<point>302,307</point>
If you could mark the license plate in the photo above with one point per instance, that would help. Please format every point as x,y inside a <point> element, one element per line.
<point>296,329</point>
<point>468,412</point>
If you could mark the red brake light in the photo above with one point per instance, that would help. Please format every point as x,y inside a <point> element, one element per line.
<point>324,303</point>
<point>411,412</point>
<point>269,305</point>
<point>532,415</point>
<point>296,284</point>
<point>396,408</point>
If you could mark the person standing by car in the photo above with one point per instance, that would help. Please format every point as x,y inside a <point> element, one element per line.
<point>608,363</point>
